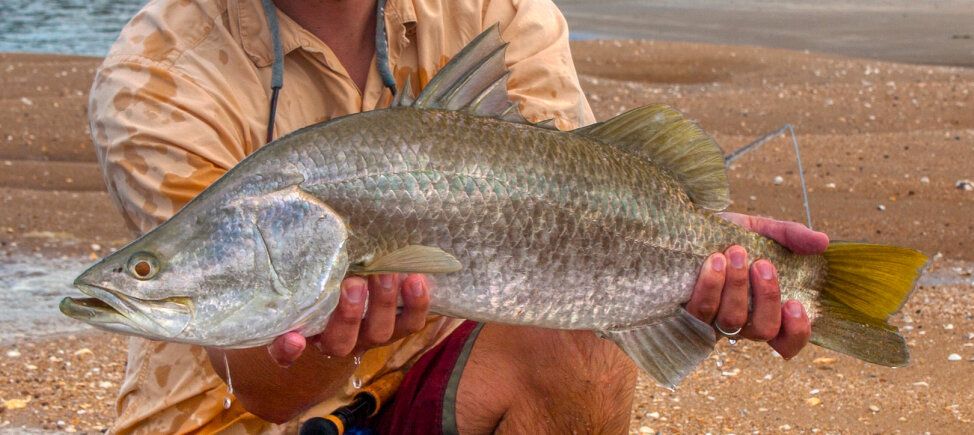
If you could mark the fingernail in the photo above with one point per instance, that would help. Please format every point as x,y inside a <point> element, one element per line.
<point>717,263</point>
<point>794,309</point>
<point>355,293</point>
<point>766,270</point>
<point>416,289</point>
<point>292,346</point>
<point>737,258</point>
<point>385,282</point>
<point>283,364</point>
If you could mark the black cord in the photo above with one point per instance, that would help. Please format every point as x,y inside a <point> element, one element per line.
<point>270,119</point>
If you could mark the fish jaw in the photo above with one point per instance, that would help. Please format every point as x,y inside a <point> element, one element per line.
<point>116,312</point>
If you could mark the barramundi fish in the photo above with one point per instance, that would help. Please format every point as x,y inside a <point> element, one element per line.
<point>603,228</point>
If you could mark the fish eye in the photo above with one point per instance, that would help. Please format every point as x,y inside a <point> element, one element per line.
<point>143,266</point>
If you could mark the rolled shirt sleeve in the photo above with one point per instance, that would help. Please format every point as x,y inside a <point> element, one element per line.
<point>160,138</point>
<point>543,79</point>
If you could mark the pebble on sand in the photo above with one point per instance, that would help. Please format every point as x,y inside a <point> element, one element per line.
<point>824,361</point>
<point>954,357</point>
<point>16,403</point>
<point>13,353</point>
<point>813,401</point>
<point>881,207</point>
<point>965,185</point>
<point>873,408</point>
<point>778,180</point>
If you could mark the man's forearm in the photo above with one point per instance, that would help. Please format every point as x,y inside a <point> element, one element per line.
<point>278,394</point>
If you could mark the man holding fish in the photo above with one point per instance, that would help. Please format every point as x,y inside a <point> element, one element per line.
<point>183,96</point>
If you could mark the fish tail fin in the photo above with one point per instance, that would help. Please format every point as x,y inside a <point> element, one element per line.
<point>866,284</point>
<point>667,350</point>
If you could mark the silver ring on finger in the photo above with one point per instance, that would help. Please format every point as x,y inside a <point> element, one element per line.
<point>728,334</point>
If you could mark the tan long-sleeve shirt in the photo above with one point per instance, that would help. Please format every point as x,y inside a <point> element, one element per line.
<point>184,95</point>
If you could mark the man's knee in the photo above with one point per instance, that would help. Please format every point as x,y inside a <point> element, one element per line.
<point>562,379</point>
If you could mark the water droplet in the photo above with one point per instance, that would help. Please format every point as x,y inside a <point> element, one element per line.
<point>731,341</point>
<point>227,400</point>
<point>226,365</point>
<point>356,382</point>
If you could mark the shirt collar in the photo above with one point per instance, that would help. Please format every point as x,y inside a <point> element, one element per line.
<point>255,36</point>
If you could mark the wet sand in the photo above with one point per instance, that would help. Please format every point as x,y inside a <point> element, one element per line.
<point>937,32</point>
<point>872,133</point>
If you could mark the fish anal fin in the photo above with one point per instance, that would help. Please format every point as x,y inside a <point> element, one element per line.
<point>410,259</point>
<point>668,350</point>
<point>662,135</point>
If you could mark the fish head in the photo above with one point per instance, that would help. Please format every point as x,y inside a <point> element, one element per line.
<point>230,276</point>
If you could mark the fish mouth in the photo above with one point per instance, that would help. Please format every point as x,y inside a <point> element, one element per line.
<point>111,310</point>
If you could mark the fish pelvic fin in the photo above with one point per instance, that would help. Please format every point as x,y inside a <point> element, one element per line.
<point>410,259</point>
<point>866,283</point>
<point>668,350</point>
<point>474,81</point>
<point>662,135</point>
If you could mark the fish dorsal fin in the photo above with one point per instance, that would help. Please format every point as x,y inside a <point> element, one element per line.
<point>410,259</point>
<point>474,81</point>
<point>404,98</point>
<point>663,136</point>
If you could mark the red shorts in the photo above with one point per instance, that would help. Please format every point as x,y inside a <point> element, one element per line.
<point>426,400</point>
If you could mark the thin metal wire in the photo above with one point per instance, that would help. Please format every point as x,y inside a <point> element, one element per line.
<point>801,175</point>
<point>736,154</point>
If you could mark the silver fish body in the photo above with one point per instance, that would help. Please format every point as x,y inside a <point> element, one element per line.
<point>552,229</point>
<point>603,228</point>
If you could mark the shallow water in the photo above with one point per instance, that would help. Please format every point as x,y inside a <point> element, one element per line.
<point>86,27</point>
<point>30,290</point>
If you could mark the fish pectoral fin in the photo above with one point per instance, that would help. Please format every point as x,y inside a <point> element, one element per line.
<point>669,349</point>
<point>410,259</point>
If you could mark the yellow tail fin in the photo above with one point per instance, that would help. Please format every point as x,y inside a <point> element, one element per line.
<point>865,285</point>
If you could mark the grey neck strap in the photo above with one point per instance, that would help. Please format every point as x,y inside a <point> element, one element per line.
<point>277,69</point>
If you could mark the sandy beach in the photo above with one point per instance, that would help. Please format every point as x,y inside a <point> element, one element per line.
<point>884,145</point>
<point>937,32</point>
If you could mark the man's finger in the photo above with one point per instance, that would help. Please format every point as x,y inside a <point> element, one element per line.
<point>795,330</point>
<point>792,235</point>
<point>766,303</point>
<point>732,313</point>
<point>415,306</point>
<point>287,348</point>
<point>380,320</point>
<point>705,299</point>
<point>341,334</point>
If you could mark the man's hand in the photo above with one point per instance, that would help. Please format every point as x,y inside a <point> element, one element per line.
<point>348,332</point>
<point>724,285</point>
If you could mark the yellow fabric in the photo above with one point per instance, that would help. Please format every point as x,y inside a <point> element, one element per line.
<point>183,96</point>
